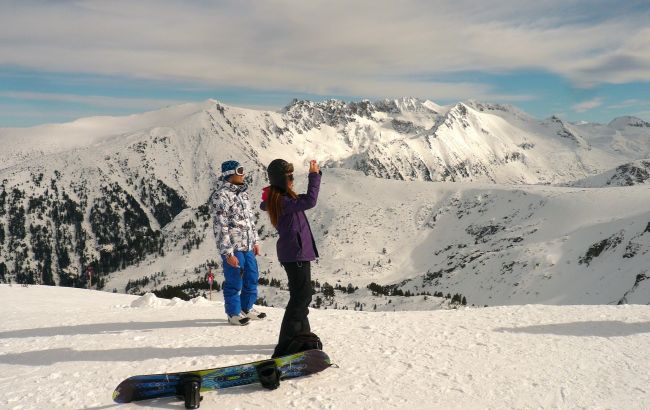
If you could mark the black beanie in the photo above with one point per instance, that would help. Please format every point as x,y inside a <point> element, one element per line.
<point>277,171</point>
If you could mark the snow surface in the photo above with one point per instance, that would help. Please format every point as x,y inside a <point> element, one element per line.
<point>69,348</point>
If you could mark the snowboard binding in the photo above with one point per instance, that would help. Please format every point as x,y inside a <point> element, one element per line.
<point>269,375</point>
<point>190,391</point>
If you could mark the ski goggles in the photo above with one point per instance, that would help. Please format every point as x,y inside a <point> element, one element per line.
<point>237,171</point>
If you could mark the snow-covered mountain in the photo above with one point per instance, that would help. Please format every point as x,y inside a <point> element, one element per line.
<point>622,123</point>
<point>633,173</point>
<point>68,348</point>
<point>128,196</point>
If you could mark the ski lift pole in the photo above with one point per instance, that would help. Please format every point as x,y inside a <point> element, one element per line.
<point>89,272</point>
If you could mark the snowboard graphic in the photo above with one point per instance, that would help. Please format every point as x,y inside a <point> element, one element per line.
<point>189,384</point>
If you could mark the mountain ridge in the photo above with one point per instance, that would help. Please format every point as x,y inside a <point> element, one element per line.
<point>151,184</point>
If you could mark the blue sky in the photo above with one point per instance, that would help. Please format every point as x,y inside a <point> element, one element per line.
<point>582,60</point>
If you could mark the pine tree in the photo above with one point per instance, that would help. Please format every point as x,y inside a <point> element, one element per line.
<point>328,290</point>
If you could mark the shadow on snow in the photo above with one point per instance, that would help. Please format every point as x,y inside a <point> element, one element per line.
<point>610,328</point>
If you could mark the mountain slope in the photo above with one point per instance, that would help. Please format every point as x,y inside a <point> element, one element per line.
<point>632,173</point>
<point>128,195</point>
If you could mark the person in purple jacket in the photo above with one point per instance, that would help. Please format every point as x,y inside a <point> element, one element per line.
<point>296,246</point>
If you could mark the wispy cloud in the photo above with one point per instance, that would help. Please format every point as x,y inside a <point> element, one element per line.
<point>643,114</point>
<point>633,102</point>
<point>588,105</point>
<point>119,57</point>
<point>94,100</point>
<point>330,47</point>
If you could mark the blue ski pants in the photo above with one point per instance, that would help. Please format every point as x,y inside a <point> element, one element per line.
<point>240,286</point>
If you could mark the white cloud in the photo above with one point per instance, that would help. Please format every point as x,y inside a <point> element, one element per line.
<point>634,102</point>
<point>365,48</point>
<point>94,100</point>
<point>588,105</point>
<point>18,116</point>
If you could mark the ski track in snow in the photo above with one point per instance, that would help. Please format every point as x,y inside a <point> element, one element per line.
<point>69,348</point>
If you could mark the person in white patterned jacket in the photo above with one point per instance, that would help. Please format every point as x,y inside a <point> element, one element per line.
<point>238,244</point>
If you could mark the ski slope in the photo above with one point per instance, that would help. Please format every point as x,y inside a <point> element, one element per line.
<point>68,348</point>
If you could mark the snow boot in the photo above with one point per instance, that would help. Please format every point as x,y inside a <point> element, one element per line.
<point>238,320</point>
<point>299,343</point>
<point>254,314</point>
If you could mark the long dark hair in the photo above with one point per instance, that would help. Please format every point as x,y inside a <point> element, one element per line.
<point>274,203</point>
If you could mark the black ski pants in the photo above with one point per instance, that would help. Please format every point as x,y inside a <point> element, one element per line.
<point>300,292</point>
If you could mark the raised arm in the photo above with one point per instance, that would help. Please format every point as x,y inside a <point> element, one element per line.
<point>305,201</point>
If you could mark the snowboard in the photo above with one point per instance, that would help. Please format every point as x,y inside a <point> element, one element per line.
<point>154,386</point>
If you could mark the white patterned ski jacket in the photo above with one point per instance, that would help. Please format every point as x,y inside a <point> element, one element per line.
<point>233,219</point>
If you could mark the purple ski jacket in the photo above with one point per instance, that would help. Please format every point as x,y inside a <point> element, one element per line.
<point>296,241</point>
